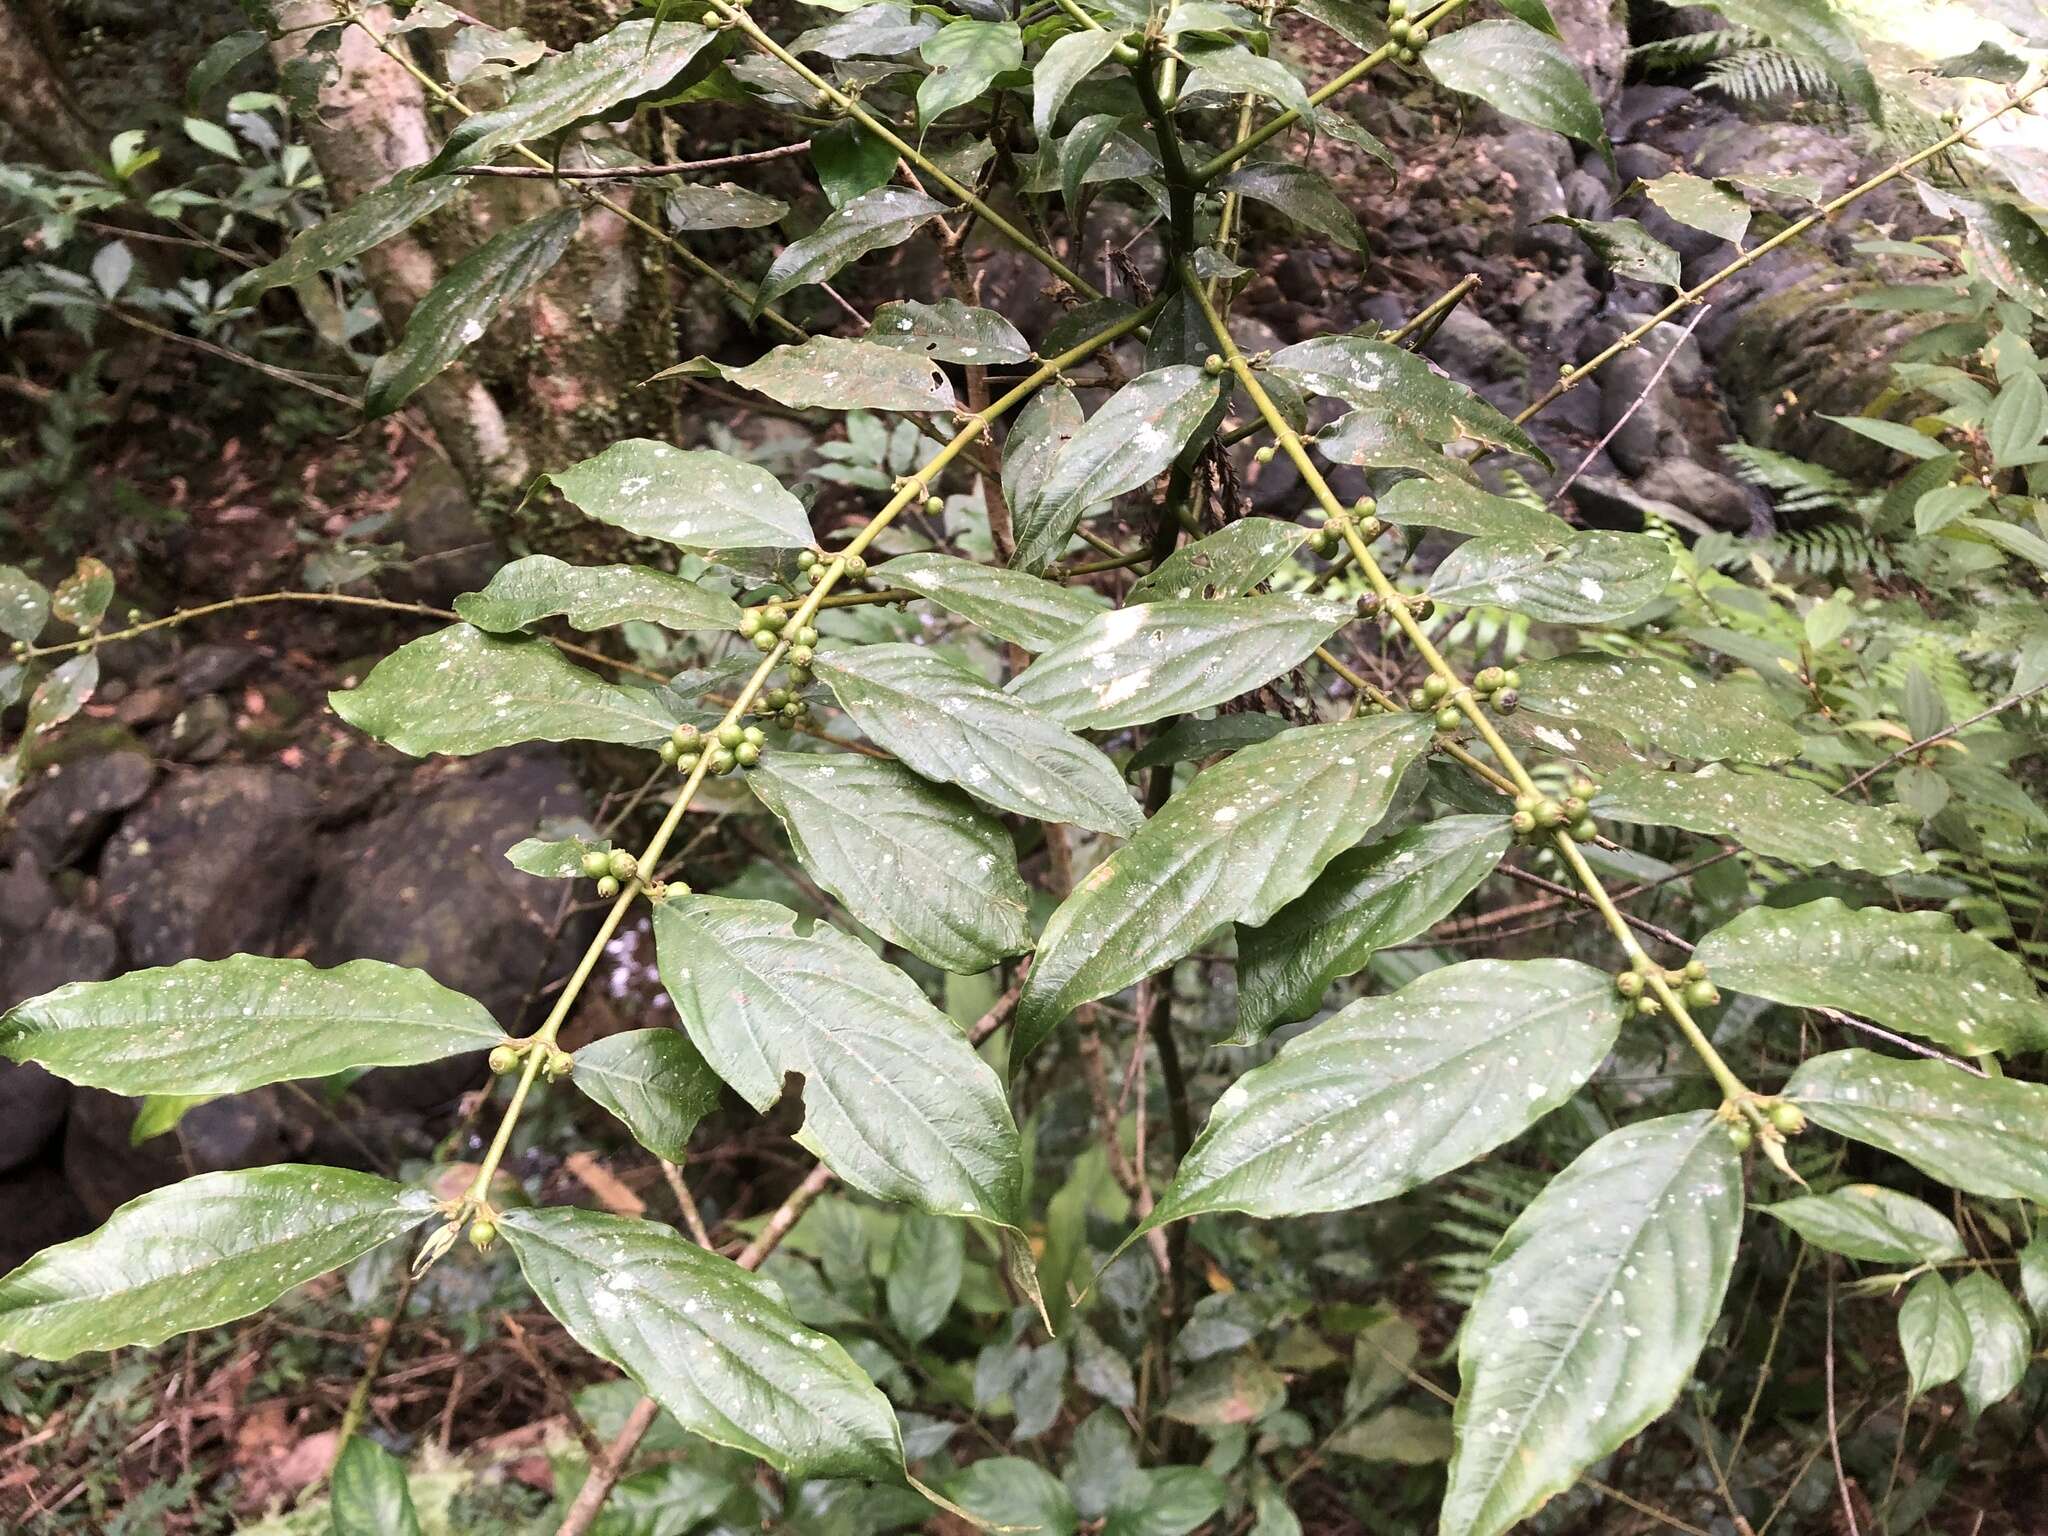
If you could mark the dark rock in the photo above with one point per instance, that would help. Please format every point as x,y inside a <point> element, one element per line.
<point>1605,501</point>
<point>41,1210</point>
<point>202,731</point>
<point>242,1130</point>
<point>214,668</point>
<point>1556,310</point>
<point>1645,433</point>
<point>449,550</point>
<point>1596,36</point>
<point>71,806</point>
<point>1640,162</point>
<point>1641,105</point>
<point>426,885</point>
<point>208,865</point>
<point>1469,348</point>
<point>31,1111</point>
<point>1299,279</point>
<point>25,896</point>
<point>1710,496</point>
<point>1586,196</point>
<point>66,946</point>
<point>149,705</point>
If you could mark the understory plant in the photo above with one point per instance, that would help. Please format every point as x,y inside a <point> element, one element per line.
<point>1240,756</point>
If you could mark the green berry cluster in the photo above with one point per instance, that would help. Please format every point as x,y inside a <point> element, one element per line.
<point>1500,687</point>
<point>1689,982</point>
<point>555,1063</point>
<point>1329,538</point>
<point>766,626</point>
<point>731,746</point>
<point>1406,36</point>
<point>1536,814</point>
<point>814,564</point>
<point>781,703</point>
<point>609,869</point>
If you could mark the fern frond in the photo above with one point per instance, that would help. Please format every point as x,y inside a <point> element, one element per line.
<point>1767,74</point>
<point>1672,55</point>
<point>1800,486</point>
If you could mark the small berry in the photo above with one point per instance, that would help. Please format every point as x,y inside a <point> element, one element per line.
<point>1573,807</point>
<point>1523,823</point>
<point>856,567</point>
<point>1422,608</point>
<point>1740,1136</point>
<point>1418,700</point>
<point>1695,970</point>
<point>1788,1117</point>
<point>1585,829</point>
<point>1319,543</point>
<point>1514,678</point>
<point>607,888</point>
<point>1418,35</point>
<point>504,1058</point>
<point>687,763</point>
<point>596,862</point>
<point>623,865</point>
<point>1435,687</point>
<point>793,710</point>
<point>1489,679</point>
<point>746,754</point>
<point>774,618</point>
<point>731,735</point>
<point>1212,364</point>
<point>755,734</point>
<point>815,575</point>
<point>1264,455</point>
<point>1369,605</point>
<point>1629,983</point>
<point>558,1066</point>
<point>1647,1006</point>
<point>1507,701</point>
<point>684,735</point>
<point>935,505</point>
<point>1549,814</point>
<point>805,636</point>
<point>806,558</point>
<point>1396,9</point>
<point>482,1233</point>
<point>1701,994</point>
<point>800,655</point>
<point>670,751</point>
<point>1448,718</point>
<point>722,760</point>
<point>1583,787</point>
<point>764,640</point>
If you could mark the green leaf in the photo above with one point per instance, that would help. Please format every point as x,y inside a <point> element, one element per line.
<point>197,1254</point>
<point>713,1344</point>
<point>1535,13</point>
<point>1239,843</point>
<point>592,597</point>
<point>832,373</point>
<point>1405,1436</point>
<point>1867,1221</point>
<point>1237,1388</point>
<point>1700,204</point>
<point>1812,30</point>
<point>1045,425</point>
<point>1397,389</point>
<point>63,693</point>
<point>695,499</point>
<point>1186,741</point>
<point>81,598</point>
<point>1772,814</point>
<point>850,160</point>
<point>654,1081</point>
<point>1910,971</point>
<point>1025,610</point>
<point>1934,1335</point>
<point>1518,71</point>
<point>868,31</point>
<point>1391,1092</point>
<point>2034,1274</point>
<point>896,1102</point>
<point>1132,439</point>
<point>2010,248</point>
<point>1303,195</point>
<point>1009,1492</point>
<point>459,691</point>
<point>1231,69</point>
<point>24,604</point>
<point>1164,1501</point>
<point>633,59</point>
<point>2000,1341</point>
<point>1164,658</point>
<point>463,304</point>
<point>925,1264</point>
<point>2018,421</point>
<point>1228,563</point>
<point>725,206</point>
<point>1592,1313</point>
<point>1985,1135</point>
<point>1895,435</point>
<point>368,1495</point>
<point>1626,249</point>
<point>220,1026</point>
<point>946,724</point>
<point>1595,578</point>
<point>1069,61</point>
<point>917,862</point>
<point>1654,704</point>
<point>213,138</point>
<point>364,224</point>
<point>950,331</point>
<point>871,222</point>
<point>1468,510</point>
<point>1384,893</point>
<point>966,56</point>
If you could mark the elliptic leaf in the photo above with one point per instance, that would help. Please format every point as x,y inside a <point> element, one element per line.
<point>460,691</point>
<point>1518,71</point>
<point>461,306</point>
<point>2011,248</point>
<point>1395,387</point>
<point>1985,1135</point>
<point>1240,842</point>
<point>725,206</point>
<point>917,862</point>
<point>871,222</point>
<point>949,331</point>
<point>365,223</point>
<point>1468,510</point>
<point>1915,972</point>
<point>695,499</point>
<point>1595,578</point>
<point>1700,204</point>
<point>895,1100</point>
<point>1303,195</point>
<point>197,1254</point>
<point>1043,427</point>
<point>1187,741</point>
<point>1026,610</point>
<point>926,1261</point>
<point>832,373</point>
<point>654,1081</point>
<point>1866,1221</point>
<point>947,724</point>
<point>1626,249</point>
<point>592,597</point>
<point>1772,814</point>
<point>222,1026</point>
<point>369,1496</point>
<point>24,604</point>
<point>880,31</point>
<point>966,56</point>
<point>2000,1341</point>
<point>1592,1314</point>
<point>710,1342</point>
<point>1393,1091</point>
<point>1384,893</point>
<point>67,689</point>
<point>1163,658</point>
<point>1658,704</point>
<point>1234,70</point>
<point>1228,563</point>
<point>1011,1493</point>
<point>81,598</point>
<point>1934,1335</point>
<point>1132,439</point>
<point>1069,61</point>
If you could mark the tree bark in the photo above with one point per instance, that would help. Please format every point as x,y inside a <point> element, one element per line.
<point>33,100</point>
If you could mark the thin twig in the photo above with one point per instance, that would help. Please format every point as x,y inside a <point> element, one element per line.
<point>687,1203</point>
<point>1663,366</point>
<point>1942,735</point>
<point>631,172</point>
<point>1834,1434</point>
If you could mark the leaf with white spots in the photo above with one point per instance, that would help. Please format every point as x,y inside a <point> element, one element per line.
<point>1171,657</point>
<point>696,499</point>
<point>1774,814</point>
<point>896,1103</point>
<point>2001,1341</point>
<point>1398,391</point>
<point>1655,704</point>
<point>871,222</point>
<point>1626,249</point>
<point>1592,1314</point>
<point>1026,610</point>
<point>655,1081</point>
<point>712,1343</point>
<point>947,724</point>
<point>1869,1222</point>
<point>1394,1091</point>
<point>949,331</point>
<point>460,691</point>
<point>1227,563</point>
<point>1521,73</point>
<point>1934,1335</point>
<point>198,1254</point>
<point>24,604</point>
<point>1915,972</point>
<point>222,1026</point>
<point>1593,578</point>
<point>1370,897</point>
<point>1456,508</point>
<point>592,597</point>
<point>1244,839</point>
<point>1984,1135</point>
<point>835,374</point>
<point>1700,204</point>
<point>917,862</point>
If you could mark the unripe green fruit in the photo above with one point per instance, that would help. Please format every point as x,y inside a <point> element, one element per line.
<point>504,1058</point>
<point>1523,823</point>
<point>623,865</point>
<point>684,735</point>
<point>1648,1006</point>
<point>731,735</point>
<point>1264,454</point>
<point>805,636</point>
<point>750,624</point>
<point>1740,1136</point>
<point>687,763</point>
<point>596,862</point>
<point>1418,700</point>
<point>799,673</point>
<point>793,710</point>
<point>1514,678</point>
<point>1434,687</point>
<point>482,1233</point>
<point>1396,9</point>
<point>856,567</point>
<point>800,655</point>
<point>1788,1117</point>
<point>558,1066</point>
<point>935,505</point>
<point>755,734</point>
<point>1448,718</point>
<point>774,618</point>
<point>1212,364</point>
<point>1418,35</point>
<point>1574,807</point>
<point>1397,29</point>
<point>1701,994</point>
<point>669,751</point>
<point>806,558</point>
<point>1507,701</point>
<point>1629,983</point>
<point>764,640</point>
<point>1489,679</point>
<point>1549,814</point>
<point>1584,830</point>
<point>722,761</point>
<point>746,754</point>
<point>607,888</point>
<point>1528,802</point>
<point>815,574</point>
<point>1405,55</point>
<point>1583,787</point>
<point>1319,542</point>
<point>1695,970</point>
<point>1423,608</point>
<point>1370,528</point>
